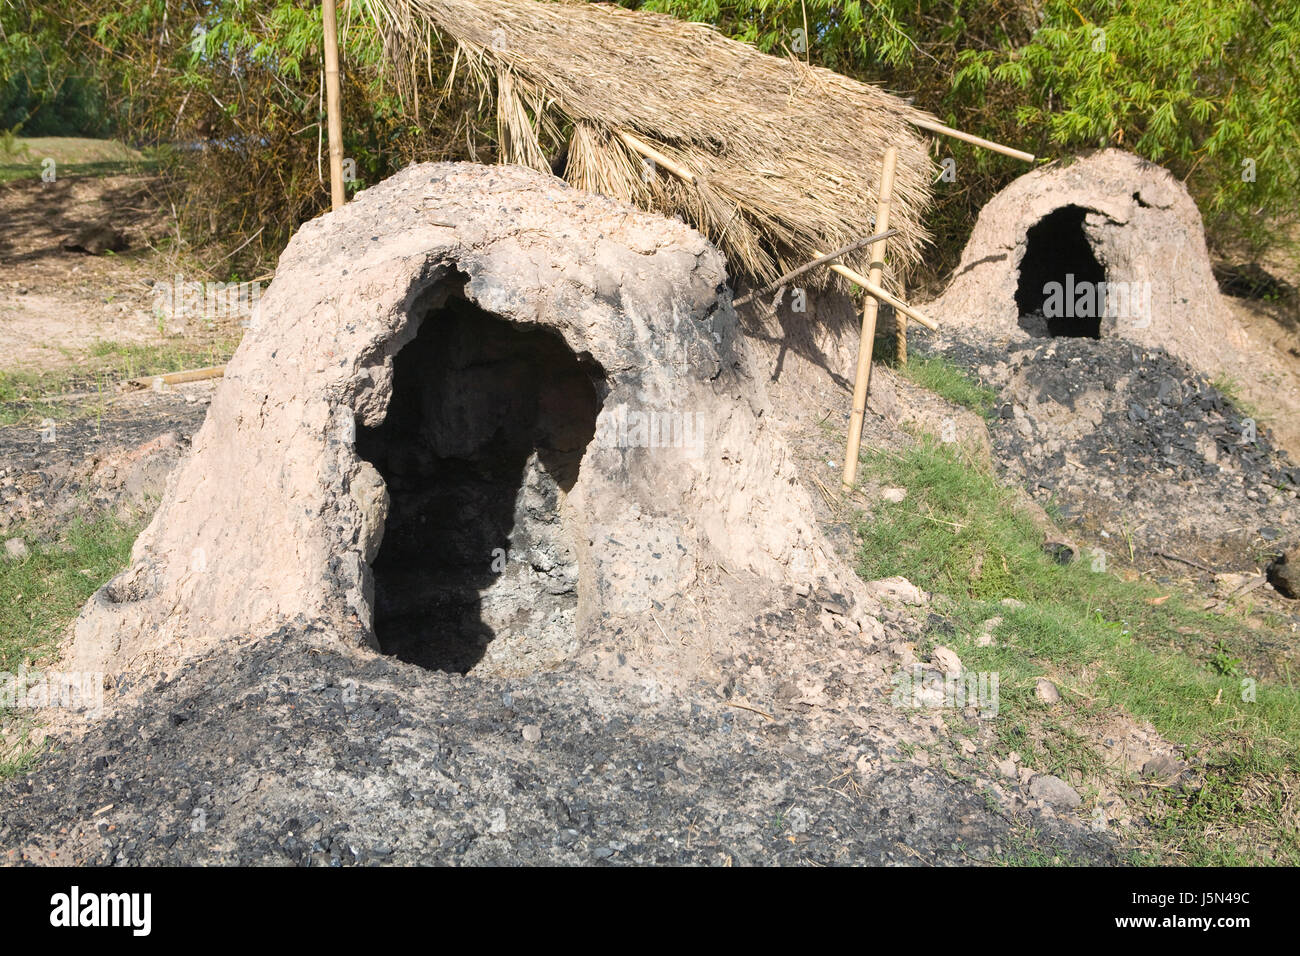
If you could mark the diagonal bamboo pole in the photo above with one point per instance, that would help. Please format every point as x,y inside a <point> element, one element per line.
<point>869,309</point>
<point>655,156</point>
<point>942,130</point>
<point>862,282</point>
<point>819,261</point>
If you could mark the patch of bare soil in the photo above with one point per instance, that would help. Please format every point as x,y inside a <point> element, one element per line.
<point>56,302</point>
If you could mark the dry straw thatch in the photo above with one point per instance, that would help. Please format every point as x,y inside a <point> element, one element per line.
<point>785,158</point>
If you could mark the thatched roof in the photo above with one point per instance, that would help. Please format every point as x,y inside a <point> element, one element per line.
<point>786,157</point>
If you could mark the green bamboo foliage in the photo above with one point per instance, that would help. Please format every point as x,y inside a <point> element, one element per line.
<point>232,91</point>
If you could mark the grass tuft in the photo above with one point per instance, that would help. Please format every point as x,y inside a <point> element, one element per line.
<point>950,382</point>
<point>41,594</point>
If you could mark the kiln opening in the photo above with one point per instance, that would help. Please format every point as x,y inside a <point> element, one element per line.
<point>479,448</point>
<point>1056,274</point>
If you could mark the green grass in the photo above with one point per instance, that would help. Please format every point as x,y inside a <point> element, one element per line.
<point>1032,849</point>
<point>1100,638</point>
<point>22,158</point>
<point>22,387</point>
<point>20,758</point>
<point>40,596</point>
<point>133,360</point>
<point>1233,820</point>
<point>1230,388</point>
<point>950,382</point>
<point>42,593</point>
<point>25,395</point>
<point>9,172</point>
<point>69,149</point>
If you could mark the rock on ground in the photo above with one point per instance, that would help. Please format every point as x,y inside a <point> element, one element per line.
<point>1054,791</point>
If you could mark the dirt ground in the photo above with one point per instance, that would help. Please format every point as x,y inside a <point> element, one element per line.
<point>55,303</point>
<point>1268,370</point>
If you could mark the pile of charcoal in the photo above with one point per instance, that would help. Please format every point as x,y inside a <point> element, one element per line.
<point>1122,437</point>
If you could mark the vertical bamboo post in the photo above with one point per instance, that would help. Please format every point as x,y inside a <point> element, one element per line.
<point>332,106</point>
<point>900,331</point>
<point>869,309</point>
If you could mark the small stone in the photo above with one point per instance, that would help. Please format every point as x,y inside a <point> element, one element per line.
<point>1046,691</point>
<point>897,589</point>
<point>1054,791</point>
<point>1231,581</point>
<point>985,637</point>
<point>1284,576</point>
<point>16,549</point>
<point>1007,768</point>
<point>532,733</point>
<point>903,652</point>
<point>968,748</point>
<point>1163,767</point>
<point>1012,604</point>
<point>946,660</point>
<point>1062,552</point>
<point>894,495</point>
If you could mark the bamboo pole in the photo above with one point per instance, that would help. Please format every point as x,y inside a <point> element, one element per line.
<point>971,138</point>
<point>820,261</point>
<point>858,279</point>
<point>869,309</point>
<point>649,152</point>
<point>900,334</point>
<point>179,378</point>
<point>332,105</point>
